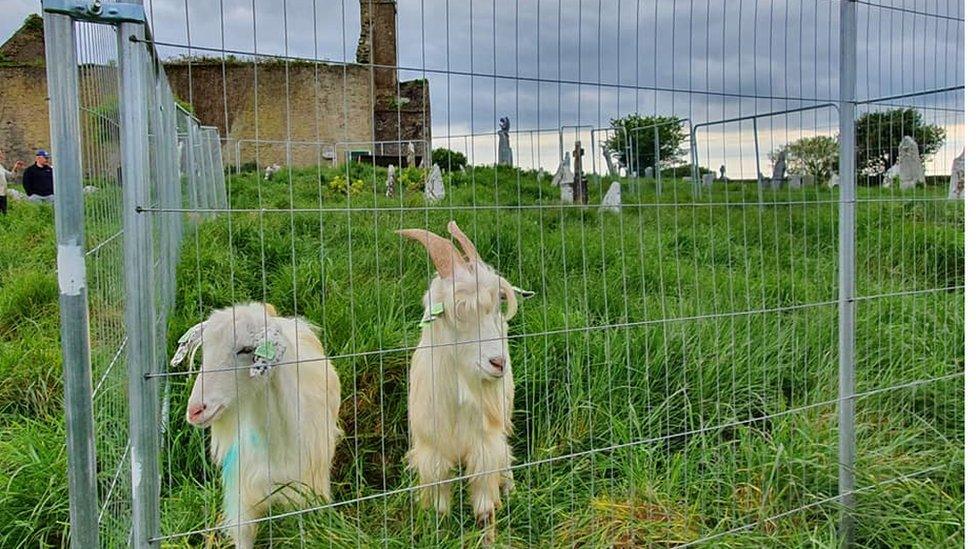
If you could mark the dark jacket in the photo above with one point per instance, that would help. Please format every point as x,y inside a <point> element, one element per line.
<point>38,180</point>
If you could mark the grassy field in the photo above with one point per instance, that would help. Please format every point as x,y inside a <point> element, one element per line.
<point>675,374</point>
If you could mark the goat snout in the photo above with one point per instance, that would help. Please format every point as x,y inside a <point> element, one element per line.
<point>201,415</point>
<point>194,412</point>
<point>497,364</point>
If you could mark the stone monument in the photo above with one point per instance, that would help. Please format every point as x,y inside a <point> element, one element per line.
<point>504,148</point>
<point>613,168</point>
<point>957,180</point>
<point>411,154</point>
<point>390,181</point>
<point>434,186</point>
<point>611,200</point>
<point>911,170</point>
<point>565,171</point>
<point>779,171</point>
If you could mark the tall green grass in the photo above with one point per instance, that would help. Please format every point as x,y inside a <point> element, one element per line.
<point>685,354</point>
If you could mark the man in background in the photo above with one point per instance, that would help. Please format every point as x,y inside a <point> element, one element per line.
<point>5,175</point>
<point>39,179</point>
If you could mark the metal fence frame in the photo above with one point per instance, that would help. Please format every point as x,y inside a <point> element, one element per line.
<point>150,180</point>
<point>152,174</point>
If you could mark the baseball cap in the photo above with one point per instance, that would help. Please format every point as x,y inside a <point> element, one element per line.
<point>41,152</point>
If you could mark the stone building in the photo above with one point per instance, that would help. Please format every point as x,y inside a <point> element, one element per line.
<point>297,112</point>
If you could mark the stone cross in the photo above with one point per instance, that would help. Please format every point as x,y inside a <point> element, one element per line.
<point>580,194</point>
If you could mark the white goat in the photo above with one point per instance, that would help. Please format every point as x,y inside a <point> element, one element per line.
<point>271,400</point>
<point>461,386</point>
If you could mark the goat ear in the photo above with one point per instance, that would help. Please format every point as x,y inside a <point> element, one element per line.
<point>525,294</point>
<point>270,309</point>
<point>441,251</point>
<point>464,241</point>
<point>268,351</point>
<point>188,343</point>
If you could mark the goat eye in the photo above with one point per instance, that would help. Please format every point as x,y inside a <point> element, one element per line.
<point>245,350</point>
<point>503,296</point>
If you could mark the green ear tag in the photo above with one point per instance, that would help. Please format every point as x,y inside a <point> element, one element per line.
<point>266,350</point>
<point>436,310</point>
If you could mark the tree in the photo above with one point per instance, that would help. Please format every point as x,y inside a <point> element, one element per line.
<point>818,156</point>
<point>880,133</point>
<point>448,160</point>
<point>638,140</point>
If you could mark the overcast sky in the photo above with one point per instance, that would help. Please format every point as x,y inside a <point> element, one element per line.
<point>553,63</point>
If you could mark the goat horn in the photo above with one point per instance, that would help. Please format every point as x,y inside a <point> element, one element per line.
<point>465,242</point>
<point>441,251</point>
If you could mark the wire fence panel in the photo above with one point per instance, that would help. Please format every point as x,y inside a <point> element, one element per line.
<point>704,287</point>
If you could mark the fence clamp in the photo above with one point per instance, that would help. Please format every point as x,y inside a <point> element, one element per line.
<point>111,13</point>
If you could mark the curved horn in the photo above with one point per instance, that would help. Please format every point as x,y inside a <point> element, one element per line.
<point>465,242</point>
<point>441,251</point>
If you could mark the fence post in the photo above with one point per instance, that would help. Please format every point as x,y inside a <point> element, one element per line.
<point>191,164</point>
<point>759,176</point>
<point>69,222</point>
<point>139,305</point>
<point>846,266</point>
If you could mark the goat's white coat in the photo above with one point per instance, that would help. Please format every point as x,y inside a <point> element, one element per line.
<point>459,409</point>
<point>276,435</point>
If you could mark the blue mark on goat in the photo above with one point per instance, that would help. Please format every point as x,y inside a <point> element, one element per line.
<point>230,471</point>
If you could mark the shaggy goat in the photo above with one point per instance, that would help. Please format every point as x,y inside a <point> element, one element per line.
<point>461,386</point>
<point>271,400</point>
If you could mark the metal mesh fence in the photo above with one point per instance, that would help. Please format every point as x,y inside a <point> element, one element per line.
<point>736,218</point>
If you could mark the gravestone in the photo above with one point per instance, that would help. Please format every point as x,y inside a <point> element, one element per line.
<point>890,176</point>
<point>779,170</point>
<point>566,191</point>
<point>957,180</point>
<point>722,177</point>
<point>611,200</point>
<point>434,186</point>
<point>834,181</point>
<point>801,180</point>
<point>504,146</point>
<point>707,180</point>
<point>270,171</point>
<point>390,181</point>
<point>649,172</point>
<point>910,167</point>
<point>411,154</point>
<point>612,168</point>
<point>565,171</point>
<point>581,194</point>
